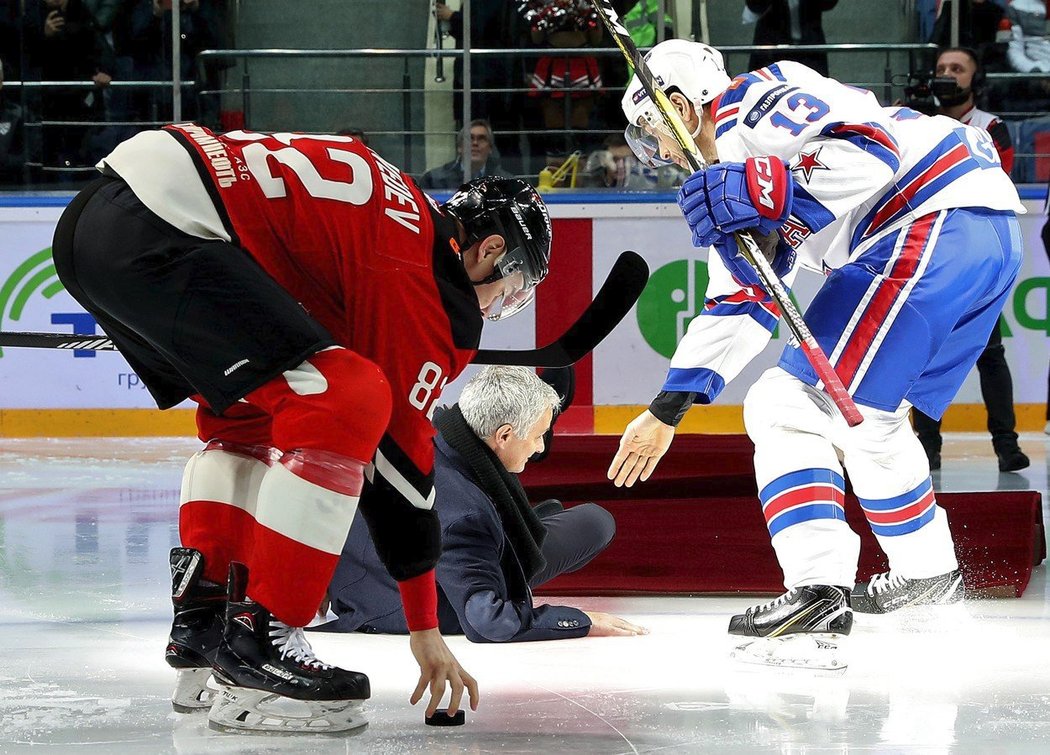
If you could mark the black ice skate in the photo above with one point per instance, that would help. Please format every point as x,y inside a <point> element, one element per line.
<point>801,629</point>
<point>200,613</point>
<point>270,680</point>
<point>888,592</point>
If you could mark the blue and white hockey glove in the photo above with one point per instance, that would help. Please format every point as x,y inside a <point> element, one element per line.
<point>783,260</point>
<point>728,197</point>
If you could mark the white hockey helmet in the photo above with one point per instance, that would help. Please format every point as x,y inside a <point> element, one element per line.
<point>696,70</point>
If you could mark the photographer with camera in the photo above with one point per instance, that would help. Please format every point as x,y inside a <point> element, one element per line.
<point>957,81</point>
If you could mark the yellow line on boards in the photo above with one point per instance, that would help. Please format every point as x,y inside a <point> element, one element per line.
<point>608,420</point>
<point>960,418</point>
<point>77,423</point>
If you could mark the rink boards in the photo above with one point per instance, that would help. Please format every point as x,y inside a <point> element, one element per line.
<point>50,393</point>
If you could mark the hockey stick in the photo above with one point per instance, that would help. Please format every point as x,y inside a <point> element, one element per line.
<point>748,249</point>
<point>613,301</point>
<point>617,295</point>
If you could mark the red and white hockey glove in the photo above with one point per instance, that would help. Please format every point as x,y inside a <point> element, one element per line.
<point>728,197</point>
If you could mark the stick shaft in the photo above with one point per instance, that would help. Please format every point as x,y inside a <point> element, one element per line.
<point>748,249</point>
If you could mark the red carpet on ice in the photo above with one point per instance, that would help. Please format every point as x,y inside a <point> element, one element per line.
<point>697,527</point>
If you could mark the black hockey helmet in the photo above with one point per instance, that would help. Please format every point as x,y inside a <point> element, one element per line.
<point>511,208</point>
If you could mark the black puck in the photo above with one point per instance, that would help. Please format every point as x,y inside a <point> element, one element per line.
<point>442,718</point>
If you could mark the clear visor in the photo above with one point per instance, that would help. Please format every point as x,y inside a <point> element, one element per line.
<point>515,297</point>
<point>645,146</point>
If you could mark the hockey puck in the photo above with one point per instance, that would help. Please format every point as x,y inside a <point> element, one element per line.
<point>442,718</point>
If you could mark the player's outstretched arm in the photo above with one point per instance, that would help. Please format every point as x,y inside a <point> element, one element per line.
<point>642,445</point>
<point>438,667</point>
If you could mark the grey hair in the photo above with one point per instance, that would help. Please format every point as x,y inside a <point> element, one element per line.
<point>500,395</point>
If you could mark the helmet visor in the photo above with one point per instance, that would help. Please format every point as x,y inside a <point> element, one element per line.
<point>645,146</point>
<point>516,295</point>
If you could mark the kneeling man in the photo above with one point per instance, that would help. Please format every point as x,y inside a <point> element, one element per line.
<point>495,545</point>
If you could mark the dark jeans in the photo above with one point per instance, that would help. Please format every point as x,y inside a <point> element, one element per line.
<point>997,390</point>
<point>574,537</point>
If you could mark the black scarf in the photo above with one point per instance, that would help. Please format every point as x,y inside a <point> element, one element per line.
<point>521,526</point>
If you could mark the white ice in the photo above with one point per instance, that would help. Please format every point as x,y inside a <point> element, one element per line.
<point>86,524</point>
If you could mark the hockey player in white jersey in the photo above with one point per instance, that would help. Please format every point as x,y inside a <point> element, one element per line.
<point>912,221</point>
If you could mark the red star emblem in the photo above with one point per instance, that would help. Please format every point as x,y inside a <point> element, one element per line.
<point>808,162</point>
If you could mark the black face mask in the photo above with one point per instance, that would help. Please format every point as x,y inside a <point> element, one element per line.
<point>948,92</point>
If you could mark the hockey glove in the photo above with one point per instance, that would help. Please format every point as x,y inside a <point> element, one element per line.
<point>783,260</point>
<point>731,197</point>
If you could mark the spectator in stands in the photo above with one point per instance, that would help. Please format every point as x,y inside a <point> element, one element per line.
<point>104,12</point>
<point>483,159</point>
<point>12,158</point>
<point>615,167</point>
<point>142,37</point>
<point>493,26</point>
<point>788,22</point>
<point>495,546</point>
<point>963,65</point>
<point>1028,50</point>
<point>65,45</point>
<point>978,23</point>
<point>566,85</point>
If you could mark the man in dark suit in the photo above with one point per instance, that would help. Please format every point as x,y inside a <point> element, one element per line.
<point>495,546</point>
<point>788,22</point>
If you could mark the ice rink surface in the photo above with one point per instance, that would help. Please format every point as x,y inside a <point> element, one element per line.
<point>86,525</point>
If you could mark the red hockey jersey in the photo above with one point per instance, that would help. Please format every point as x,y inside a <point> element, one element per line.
<point>352,238</point>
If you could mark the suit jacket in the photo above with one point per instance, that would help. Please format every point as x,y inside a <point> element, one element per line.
<point>774,28</point>
<point>482,589</point>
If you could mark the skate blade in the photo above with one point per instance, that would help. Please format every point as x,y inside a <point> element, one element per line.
<point>193,692</point>
<point>811,652</point>
<point>251,711</point>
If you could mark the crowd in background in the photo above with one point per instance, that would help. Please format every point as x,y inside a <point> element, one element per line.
<point>552,105</point>
<point>77,50</point>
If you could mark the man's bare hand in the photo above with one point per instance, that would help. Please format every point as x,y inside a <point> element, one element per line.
<point>437,666</point>
<point>54,23</point>
<point>607,625</point>
<point>642,445</point>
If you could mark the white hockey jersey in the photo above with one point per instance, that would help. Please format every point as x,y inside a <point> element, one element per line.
<point>861,170</point>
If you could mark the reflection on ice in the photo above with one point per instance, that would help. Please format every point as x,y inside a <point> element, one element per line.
<point>86,525</point>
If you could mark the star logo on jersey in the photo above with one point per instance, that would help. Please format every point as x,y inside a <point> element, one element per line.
<point>808,162</point>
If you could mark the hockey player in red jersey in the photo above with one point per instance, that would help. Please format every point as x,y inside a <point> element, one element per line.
<point>313,302</point>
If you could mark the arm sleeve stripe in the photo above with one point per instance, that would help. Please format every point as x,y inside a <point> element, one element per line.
<point>809,210</point>
<point>705,383</point>
<point>398,481</point>
<point>870,138</point>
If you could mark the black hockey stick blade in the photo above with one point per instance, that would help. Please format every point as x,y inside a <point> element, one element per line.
<point>614,300</point>
<point>617,295</point>
<point>68,341</point>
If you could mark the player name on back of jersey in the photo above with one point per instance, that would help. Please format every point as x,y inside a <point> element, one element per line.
<point>215,151</point>
<point>395,188</point>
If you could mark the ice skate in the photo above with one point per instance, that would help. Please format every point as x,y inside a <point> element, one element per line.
<point>270,680</point>
<point>888,592</point>
<point>803,628</point>
<point>200,611</point>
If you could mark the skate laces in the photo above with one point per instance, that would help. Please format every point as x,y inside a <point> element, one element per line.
<point>884,582</point>
<point>776,602</point>
<point>292,643</point>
